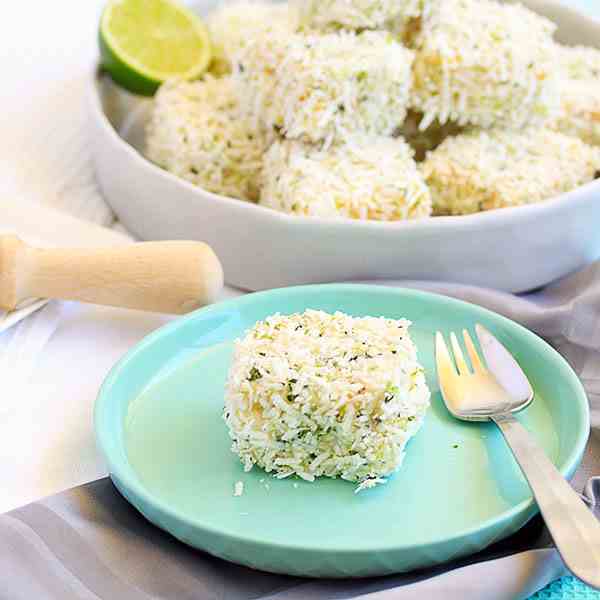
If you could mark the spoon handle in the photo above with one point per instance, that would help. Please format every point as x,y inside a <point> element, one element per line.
<point>574,528</point>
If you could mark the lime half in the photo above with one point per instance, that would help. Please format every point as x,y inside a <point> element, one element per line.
<point>146,42</point>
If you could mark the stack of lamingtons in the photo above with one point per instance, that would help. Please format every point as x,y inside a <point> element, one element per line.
<point>383,109</point>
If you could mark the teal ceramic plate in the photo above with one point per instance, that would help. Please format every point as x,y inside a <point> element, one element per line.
<point>158,421</point>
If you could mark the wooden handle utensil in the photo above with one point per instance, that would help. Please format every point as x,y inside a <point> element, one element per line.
<point>168,277</point>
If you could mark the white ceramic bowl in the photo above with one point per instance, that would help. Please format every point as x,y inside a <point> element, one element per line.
<point>514,249</point>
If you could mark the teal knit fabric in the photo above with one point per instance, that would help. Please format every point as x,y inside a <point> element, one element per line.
<point>567,588</point>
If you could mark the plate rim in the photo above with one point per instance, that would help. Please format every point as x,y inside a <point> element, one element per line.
<point>128,483</point>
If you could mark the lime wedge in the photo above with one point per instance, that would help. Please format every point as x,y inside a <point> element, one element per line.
<point>146,42</point>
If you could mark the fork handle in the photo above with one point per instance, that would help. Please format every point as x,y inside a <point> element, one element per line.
<point>574,528</point>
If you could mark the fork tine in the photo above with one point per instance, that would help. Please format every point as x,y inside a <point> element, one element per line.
<point>459,358</point>
<point>473,355</point>
<point>445,367</point>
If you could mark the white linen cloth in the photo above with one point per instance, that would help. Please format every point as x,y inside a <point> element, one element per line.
<point>46,438</point>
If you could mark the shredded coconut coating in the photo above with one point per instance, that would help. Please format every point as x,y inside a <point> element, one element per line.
<point>254,75</point>
<point>580,111</point>
<point>579,114</point>
<point>327,87</point>
<point>579,62</point>
<point>483,170</point>
<point>484,63</point>
<point>316,394</point>
<point>356,14</point>
<point>233,24</point>
<point>196,132</point>
<point>365,178</point>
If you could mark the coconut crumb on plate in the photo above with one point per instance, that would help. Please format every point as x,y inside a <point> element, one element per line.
<point>370,483</point>
<point>316,394</point>
<point>365,178</point>
<point>238,488</point>
<point>483,170</point>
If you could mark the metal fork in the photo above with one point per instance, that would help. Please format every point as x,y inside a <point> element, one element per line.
<point>495,393</point>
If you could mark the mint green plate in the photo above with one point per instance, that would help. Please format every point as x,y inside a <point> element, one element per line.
<point>158,422</point>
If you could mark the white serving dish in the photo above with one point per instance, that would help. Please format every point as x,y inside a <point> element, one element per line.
<point>514,249</point>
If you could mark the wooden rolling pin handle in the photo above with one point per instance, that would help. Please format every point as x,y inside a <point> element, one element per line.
<point>167,277</point>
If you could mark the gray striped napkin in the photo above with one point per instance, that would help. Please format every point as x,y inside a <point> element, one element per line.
<point>88,543</point>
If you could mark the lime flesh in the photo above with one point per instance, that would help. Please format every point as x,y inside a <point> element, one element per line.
<point>145,42</point>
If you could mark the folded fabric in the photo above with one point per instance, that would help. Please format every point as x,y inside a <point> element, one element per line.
<point>90,543</point>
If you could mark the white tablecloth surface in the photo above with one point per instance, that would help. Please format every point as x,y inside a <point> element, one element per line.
<point>46,438</point>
